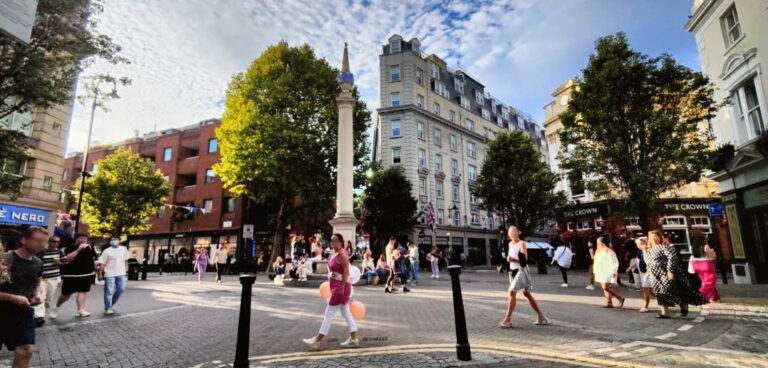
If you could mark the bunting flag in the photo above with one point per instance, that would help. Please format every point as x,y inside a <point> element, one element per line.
<point>429,213</point>
<point>192,209</point>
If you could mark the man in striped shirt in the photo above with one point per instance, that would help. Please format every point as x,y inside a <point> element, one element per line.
<point>51,257</point>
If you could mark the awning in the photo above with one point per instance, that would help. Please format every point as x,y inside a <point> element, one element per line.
<point>538,245</point>
<point>61,233</point>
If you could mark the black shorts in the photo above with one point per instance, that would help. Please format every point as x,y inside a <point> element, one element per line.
<point>17,327</point>
<point>71,285</point>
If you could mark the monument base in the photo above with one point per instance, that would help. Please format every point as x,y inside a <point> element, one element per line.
<point>346,226</point>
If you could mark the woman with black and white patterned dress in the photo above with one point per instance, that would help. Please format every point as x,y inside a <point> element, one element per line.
<point>669,283</point>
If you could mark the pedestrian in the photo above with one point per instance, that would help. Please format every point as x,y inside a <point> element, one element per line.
<point>201,264</point>
<point>630,252</point>
<point>369,269</point>
<point>220,257</point>
<point>403,265</point>
<point>341,290</point>
<point>434,257</point>
<point>77,274</point>
<point>51,258</point>
<point>702,262</point>
<point>669,283</point>
<point>349,249</point>
<point>562,258</point>
<point>113,264</point>
<point>19,294</point>
<point>279,267</point>
<point>520,279</point>
<point>606,268</point>
<point>590,264</point>
<point>413,257</point>
<point>169,263</point>
<point>161,264</point>
<point>643,275</point>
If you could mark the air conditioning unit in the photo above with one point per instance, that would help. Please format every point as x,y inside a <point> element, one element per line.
<point>743,273</point>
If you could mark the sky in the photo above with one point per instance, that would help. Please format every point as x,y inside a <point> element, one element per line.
<point>184,52</point>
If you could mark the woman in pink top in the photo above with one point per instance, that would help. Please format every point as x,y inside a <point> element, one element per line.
<point>702,262</point>
<point>339,300</point>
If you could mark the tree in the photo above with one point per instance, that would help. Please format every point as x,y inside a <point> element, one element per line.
<point>516,183</point>
<point>123,194</point>
<point>389,207</point>
<point>65,41</point>
<point>279,131</point>
<point>637,126</point>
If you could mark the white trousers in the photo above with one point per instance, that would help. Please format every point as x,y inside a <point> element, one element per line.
<point>49,287</point>
<point>330,312</point>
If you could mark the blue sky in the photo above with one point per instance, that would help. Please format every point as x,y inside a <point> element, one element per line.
<point>184,52</point>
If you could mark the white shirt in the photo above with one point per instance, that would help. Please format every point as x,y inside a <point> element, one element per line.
<point>221,256</point>
<point>113,259</point>
<point>514,251</point>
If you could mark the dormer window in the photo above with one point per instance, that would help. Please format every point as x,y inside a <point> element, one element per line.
<point>394,47</point>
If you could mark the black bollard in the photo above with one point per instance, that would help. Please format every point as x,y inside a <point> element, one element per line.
<point>244,326</point>
<point>144,269</point>
<point>463,351</point>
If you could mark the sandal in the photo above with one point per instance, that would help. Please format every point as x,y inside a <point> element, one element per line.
<point>661,316</point>
<point>608,306</point>
<point>505,325</point>
<point>621,302</point>
<point>542,322</point>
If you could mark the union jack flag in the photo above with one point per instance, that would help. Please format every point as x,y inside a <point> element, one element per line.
<point>429,214</point>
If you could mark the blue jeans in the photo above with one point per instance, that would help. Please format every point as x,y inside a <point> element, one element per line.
<point>113,288</point>
<point>415,271</point>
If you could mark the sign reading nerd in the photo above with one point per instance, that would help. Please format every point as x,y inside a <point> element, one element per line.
<point>23,215</point>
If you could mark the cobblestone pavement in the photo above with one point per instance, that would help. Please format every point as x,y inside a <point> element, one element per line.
<point>171,321</point>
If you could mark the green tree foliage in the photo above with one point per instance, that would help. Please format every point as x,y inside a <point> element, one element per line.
<point>279,132</point>
<point>389,206</point>
<point>123,194</point>
<point>516,183</point>
<point>636,125</point>
<point>65,41</point>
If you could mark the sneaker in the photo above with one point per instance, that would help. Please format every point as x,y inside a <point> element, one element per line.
<point>431,276</point>
<point>437,276</point>
<point>590,287</point>
<point>406,290</point>
<point>109,312</point>
<point>82,313</point>
<point>349,343</point>
<point>312,343</point>
<point>54,313</point>
<point>564,285</point>
<point>39,321</point>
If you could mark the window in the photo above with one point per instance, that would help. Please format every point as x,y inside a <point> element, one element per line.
<point>465,102</point>
<point>454,167</point>
<point>419,100</point>
<point>440,217</point>
<point>452,142</point>
<point>394,73</point>
<point>394,47</point>
<point>436,109</point>
<point>731,28</point>
<point>213,145</point>
<point>485,114</point>
<point>422,158</point>
<point>395,98</point>
<point>747,106</point>
<point>47,181</point>
<point>473,199</point>
<point>18,121</point>
<point>479,98</point>
<point>475,219</point>
<point>94,168</point>
<point>419,76</point>
<point>701,223</point>
<point>64,175</point>
<point>441,89</point>
<point>470,125</point>
<point>230,204</point>
<point>434,71</point>
<point>485,132</point>
<point>576,182</point>
<point>423,186</point>
<point>438,136</point>
<point>452,116</point>
<point>167,154</point>
<point>396,155</point>
<point>674,221</point>
<point>420,130</point>
<point>395,128</point>
<point>473,172</point>
<point>209,176</point>
<point>455,191</point>
<point>470,149</point>
<point>207,205</point>
<point>439,189</point>
<point>438,162</point>
<point>459,85</point>
<point>456,218</point>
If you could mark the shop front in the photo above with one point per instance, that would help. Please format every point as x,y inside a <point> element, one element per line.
<point>180,247</point>
<point>15,219</point>
<point>747,217</point>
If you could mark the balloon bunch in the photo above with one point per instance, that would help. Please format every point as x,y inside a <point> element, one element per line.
<point>356,308</point>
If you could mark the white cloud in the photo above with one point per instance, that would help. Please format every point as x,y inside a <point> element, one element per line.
<point>184,52</point>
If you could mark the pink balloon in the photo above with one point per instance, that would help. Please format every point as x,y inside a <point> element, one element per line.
<point>357,309</point>
<point>325,290</point>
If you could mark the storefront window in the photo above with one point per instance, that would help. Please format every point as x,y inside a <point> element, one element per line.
<point>136,249</point>
<point>157,249</point>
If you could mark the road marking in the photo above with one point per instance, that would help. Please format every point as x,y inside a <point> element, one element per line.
<point>666,336</point>
<point>645,349</point>
<point>698,319</point>
<point>685,327</point>
<point>620,354</point>
<point>55,327</point>
<point>704,312</point>
<point>604,350</point>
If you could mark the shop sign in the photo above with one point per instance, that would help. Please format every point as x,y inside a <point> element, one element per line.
<point>226,224</point>
<point>23,215</point>
<point>686,207</point>
<point>755,197</point>
<point>716,209</point>
<point>248,231</point>
<point>586,211</point>
<point>735,230</point>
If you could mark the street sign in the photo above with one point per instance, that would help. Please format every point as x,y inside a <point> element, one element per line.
<point>716,209</point>
<point>248,231</point>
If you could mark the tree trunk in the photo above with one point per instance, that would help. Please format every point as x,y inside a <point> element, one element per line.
<point>277,245</point>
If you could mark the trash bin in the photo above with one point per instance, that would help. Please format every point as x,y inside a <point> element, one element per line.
<point>133,269</point>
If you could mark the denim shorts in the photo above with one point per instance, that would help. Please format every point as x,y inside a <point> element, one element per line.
<point>17,326</point>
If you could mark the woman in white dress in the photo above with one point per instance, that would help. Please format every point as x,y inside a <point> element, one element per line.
<point>606,270</point>
<point>519,279</point>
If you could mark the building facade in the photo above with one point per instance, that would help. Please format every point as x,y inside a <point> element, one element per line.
<point>434,124</point>
<point>684,209</point>
<point>47,130</point>
<point>733,51</point>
